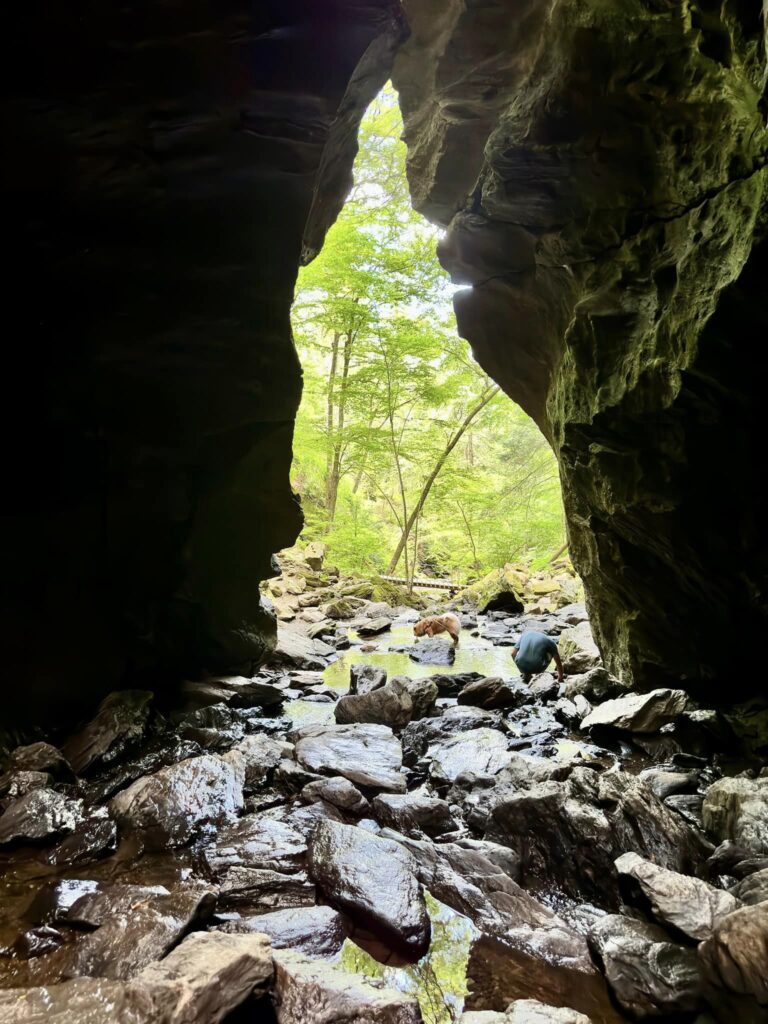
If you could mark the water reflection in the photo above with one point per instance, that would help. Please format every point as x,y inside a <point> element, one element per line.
<point>439,979</point>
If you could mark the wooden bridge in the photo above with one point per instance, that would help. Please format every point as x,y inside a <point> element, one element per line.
<point>452,588</point>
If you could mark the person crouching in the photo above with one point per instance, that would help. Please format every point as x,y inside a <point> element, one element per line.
<point>533,653</point>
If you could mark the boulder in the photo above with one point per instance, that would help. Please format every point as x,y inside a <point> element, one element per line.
<point>256,841</point>
<point>500,590</point>
<point>261,755</point>
<point>688,905</point>
<point>339,792</point>
<point>365,677</point>
<point>309,991</point>
<point>737,809</point>
<point>314,555</point>
<point>158,753</point>
<point>239,691</point>
<point>733,962</point>
<point>666,783</point>
<point>317,931</point>
<point>367,755</point>
<point>432,651</point>
<point>638,712</point>
<point>261,889</point>
<point>569,830</point>
<point>413,814</point>
<point>423,693</point>
<point>578,650</point>
<point>94,837</point>
<point>451,684</point>
<point>120,721</point>
<point>494,692</point>
<point>300,651</point>
<point>389,705</point>
<point>417,737</point>
<point>206,977</point>
<point>341,607</point>
<point>375,626</point>
<point>40,757</point>
<point>596,684</point>
<point>171,806</point>
<point>649,975</point>
<point>478,750</point>
<point>374,881</point>
<point>39,815</point>
<point>753,889</point>
<point>80,1001</point>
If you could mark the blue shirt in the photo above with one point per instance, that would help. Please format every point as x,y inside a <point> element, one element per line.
<point>534,651</point>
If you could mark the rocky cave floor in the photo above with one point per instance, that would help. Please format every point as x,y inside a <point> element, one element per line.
<point>258,852</point>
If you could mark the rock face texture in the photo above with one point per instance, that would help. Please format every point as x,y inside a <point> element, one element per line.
<point>164,171</point>
<point>601,172</point>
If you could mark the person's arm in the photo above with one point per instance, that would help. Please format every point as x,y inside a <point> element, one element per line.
<point>559,663</point>
<point>514,654</point>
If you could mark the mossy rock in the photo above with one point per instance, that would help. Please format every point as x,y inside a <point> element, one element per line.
<point>394,594</point>
<point>340,608</point>
<point>500,590</point>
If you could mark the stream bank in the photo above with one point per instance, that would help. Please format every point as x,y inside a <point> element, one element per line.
<point>420,835</point>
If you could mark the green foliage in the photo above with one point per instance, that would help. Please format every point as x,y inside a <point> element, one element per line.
<point>404,451</point>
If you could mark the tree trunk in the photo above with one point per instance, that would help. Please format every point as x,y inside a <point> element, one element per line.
<point>416,511</point>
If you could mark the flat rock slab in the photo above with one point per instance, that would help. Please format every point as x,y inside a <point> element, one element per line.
<point>413,814</point>
<point>169,807</point>
<point>375,881</point>
<point>638,712</point>
<point>650,976</point>
<point>317,931</point>
<point>312,992</point>
<point>239,691</point>
<point>494,692</point>
<point>483,751</point>
<point>687,904</point>
<point>120,720</point>
<point>300,651</point>
<point>432,652</point>
<point>367,755</point>
<point>260,889</point>
<point>375,626</point>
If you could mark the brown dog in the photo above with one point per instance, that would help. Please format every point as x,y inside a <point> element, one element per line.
<point>439,624</point>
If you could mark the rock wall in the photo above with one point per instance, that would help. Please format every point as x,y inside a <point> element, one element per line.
<point>164,162</point>
<point>601,172</point>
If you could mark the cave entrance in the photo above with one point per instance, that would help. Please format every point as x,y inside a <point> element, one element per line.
<point>408,458</point>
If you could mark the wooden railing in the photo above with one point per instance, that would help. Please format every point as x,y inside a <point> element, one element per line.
<point>426,584</point>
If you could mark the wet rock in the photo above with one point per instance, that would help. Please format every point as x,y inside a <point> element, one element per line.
<point>544,686</point>
<point>171,806</point>
<point>578,650</point>
<point>568,831</point>
<point>261,755</point>
<point>638,712</point>
<point>317,931</point>
<point>300,651</point>
<point>478,750</point>
<point>494,692</point>
<point>158,753</point>
<point>337,791</point>
<point>374,880</point>
<point>121,720</point>
<point>239,691</point>
<point>423,694</point>
<point>36,942</point>
<point>374,626</point>
<point>206,977</point>
<point>127,939</point>
<point>39,815</point>
<point>753,889</point>
<point>667,783</point>
<point>363,678</point>
<point>413,814</point>
<point>451,684</point>
<point>291,777</point>
<point>94,837</point>
<point>596,684</point>
<point>737,809</point>
<point>18,784</point>
<point>89,904</point>
<point>734,962</point>
<point>80,1001</point>
<point>40,757</point>
<point>649,975</point>
<point>309,991</point>
<point>688,806</point>
<point>432,651</point>
<point>690,906</point>
<point>418,736</point>
<point>533,722</point>
<point>261,888</point>
<point>526,1011</point>
<point>476,887</point>
<point>502,856</point>
<point>256,841</point>
<point>389,705</point>
<point>367,755</point>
